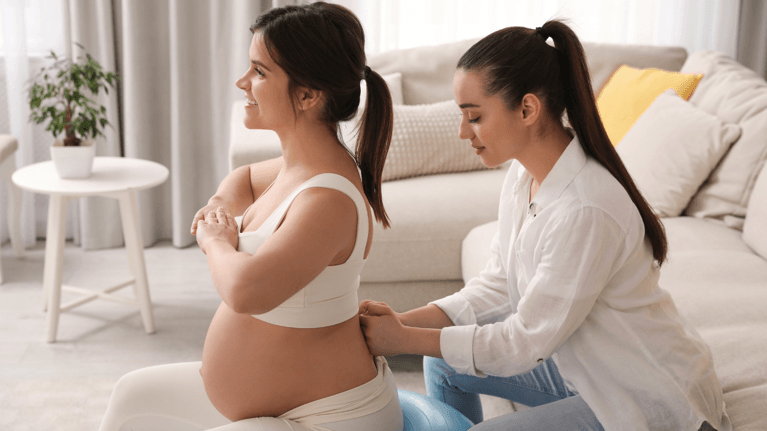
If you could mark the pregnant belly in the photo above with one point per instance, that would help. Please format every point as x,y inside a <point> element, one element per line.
<point>252,368</point>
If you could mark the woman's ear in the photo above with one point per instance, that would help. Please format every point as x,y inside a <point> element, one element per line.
<point>531,108</point>
<point>307,98</point>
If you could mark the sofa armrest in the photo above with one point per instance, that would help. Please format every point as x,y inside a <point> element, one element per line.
<point>755,226</point>
<point>248,146</point>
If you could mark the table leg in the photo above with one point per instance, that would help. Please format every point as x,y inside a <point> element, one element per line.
<point>134,246</point>
<point>54,255</point>
<point>14,225</point>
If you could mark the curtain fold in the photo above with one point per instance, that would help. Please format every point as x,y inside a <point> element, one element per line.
<point>752,37</point>
<point>17,72</point>
<point>180,59</point>
<point>693,24</point>
<point>89,23</point>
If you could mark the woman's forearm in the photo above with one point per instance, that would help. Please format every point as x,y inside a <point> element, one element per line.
<point>235,192</point>
<point>422,341</point>
<point>429,316</point>
<point>244,185</point>
<point>225,266</point>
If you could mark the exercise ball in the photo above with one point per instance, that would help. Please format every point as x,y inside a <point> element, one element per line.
<point>423,413</point>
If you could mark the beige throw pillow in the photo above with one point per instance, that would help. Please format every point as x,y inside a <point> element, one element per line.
<point>671,150</point>
<point>738,95</point>
<point>425,141</point>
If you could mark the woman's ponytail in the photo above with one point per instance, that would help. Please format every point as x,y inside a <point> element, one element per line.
<point>584,118</point>
<point>373,141</point>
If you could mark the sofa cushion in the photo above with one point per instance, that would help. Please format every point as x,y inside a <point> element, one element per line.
<point>427,71</point>
<point>604,58</point>
<point>430,216</point>
<point>755,227</point>
<point>425,141</point>
<point>630,91</point>
<point>735,94</point>
<point>722,294</point>
<point>475,252</point>
<point>690,234</point>
<point>671,149</point>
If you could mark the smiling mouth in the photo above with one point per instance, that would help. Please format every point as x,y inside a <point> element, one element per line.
<point>251,102</point>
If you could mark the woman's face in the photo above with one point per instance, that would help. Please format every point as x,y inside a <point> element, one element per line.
<point>266,90</point>
<point>496,133</point>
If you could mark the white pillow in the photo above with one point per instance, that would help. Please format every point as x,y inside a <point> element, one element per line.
<point>349,128</point>
<point>671,150</point>
<point>425,141</point>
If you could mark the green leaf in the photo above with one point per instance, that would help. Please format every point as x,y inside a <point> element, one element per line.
<point>103,122</point>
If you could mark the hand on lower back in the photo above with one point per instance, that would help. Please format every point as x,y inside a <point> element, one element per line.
<point>382,328</point>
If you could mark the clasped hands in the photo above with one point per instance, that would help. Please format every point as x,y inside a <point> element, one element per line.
<point>383,329</point>
<point>215,225</point>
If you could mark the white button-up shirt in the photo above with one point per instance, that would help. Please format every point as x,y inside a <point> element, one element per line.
<point>572,277</point>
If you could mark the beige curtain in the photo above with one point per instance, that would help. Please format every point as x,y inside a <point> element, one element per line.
<point>178,61</point>
<point>752,40</point>
<point>95,222</point>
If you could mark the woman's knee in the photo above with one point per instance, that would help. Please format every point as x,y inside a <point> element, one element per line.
<point>147,389</point>
<point>132,386</point>
<point>437,368</point>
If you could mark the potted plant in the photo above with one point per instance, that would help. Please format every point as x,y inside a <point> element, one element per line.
<point>58,94</point>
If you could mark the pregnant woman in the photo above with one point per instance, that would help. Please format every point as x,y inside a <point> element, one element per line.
<point>285,350</point>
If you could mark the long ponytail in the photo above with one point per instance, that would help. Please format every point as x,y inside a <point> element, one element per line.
<point>518,61</point>
<point>373,141</point>
<point>584,118</point>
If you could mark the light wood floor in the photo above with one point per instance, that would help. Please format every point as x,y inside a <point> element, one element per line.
<point>66,385</point>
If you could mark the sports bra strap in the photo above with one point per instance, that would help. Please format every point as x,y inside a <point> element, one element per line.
<point>329,181</point>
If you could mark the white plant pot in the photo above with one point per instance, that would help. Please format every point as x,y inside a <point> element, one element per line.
<point>73,162</point>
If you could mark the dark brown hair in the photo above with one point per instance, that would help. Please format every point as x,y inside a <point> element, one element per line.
<point>322,46</point>
<point>516,61</point>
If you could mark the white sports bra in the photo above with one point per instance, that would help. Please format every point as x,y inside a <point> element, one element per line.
<point>330,298</point>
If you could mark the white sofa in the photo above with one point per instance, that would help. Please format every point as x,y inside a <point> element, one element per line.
<point>716,269</point>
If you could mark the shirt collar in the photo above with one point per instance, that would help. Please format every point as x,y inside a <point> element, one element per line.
<point>561,175</point>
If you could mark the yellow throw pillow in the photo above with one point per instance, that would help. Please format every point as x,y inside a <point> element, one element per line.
<point>629,92</point>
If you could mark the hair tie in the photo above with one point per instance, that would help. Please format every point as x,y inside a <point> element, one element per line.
<point>539,30</point>
<point>367,72</point>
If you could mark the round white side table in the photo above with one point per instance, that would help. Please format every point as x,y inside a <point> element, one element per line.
<point>113,177</point>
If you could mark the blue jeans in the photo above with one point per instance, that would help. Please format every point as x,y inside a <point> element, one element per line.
<point>554,406</point>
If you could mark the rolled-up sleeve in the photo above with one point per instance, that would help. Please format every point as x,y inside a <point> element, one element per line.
<point>484,298</point>
<point>578,255</point>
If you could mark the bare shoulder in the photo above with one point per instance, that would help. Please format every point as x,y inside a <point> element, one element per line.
<point>326,205</point>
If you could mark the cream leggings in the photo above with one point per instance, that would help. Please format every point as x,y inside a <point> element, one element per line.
<point>172,398</point>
